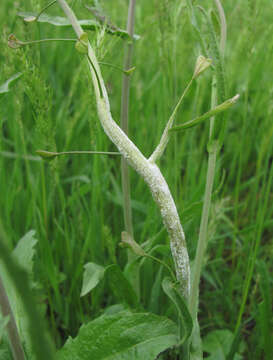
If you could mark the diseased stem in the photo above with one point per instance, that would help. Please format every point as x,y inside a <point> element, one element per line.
<point>15,343</point>
<point>148,170</point>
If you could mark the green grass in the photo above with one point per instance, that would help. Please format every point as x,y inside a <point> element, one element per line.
<point>75,203</point>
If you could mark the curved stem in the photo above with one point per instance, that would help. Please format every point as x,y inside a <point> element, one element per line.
<point>148,170</point>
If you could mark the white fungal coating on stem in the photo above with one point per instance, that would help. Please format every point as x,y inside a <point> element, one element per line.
<point>144,167</point>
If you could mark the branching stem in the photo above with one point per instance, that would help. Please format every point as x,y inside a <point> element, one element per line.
<point>148,170</point>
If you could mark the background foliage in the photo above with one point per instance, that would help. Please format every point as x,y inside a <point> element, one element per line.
<point>75,204</point>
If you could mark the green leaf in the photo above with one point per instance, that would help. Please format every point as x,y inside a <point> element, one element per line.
<point>121,336</point>
<point>64,22</point>
<point>33,332</point>
<point>24,251</point>
<point>23,254</point>
<point>93,274</point>
<point>215,111</point>
<point>5,88</point>
<point>217,343</point>
<point>46,155</point>
<point>120,286</point>
<point>215,22</point>
<point>82,43</point>
<point>174,293</point>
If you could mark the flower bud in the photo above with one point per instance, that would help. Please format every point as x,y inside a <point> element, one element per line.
<point>201,65</point>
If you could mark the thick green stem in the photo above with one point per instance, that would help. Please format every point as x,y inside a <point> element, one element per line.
<point>15,344</point>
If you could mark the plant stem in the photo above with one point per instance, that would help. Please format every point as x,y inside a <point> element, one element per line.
<point>166,136</point>
<point>148,170</point>
<point>202,240</point>
<point>125,96</point>
<point>223,36</point>
<point>14,338</point>
<point>212,152</point>
<point>41,345</point>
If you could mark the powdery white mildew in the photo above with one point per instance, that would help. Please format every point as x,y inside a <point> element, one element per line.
<point>160,191</point>
<point>146,168</point>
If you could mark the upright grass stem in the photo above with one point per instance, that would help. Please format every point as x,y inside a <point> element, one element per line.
<point>14,338</point>
<point>212,153</point>
<point>125,179</point>
<point>41,345</point>
<point>144,167</point>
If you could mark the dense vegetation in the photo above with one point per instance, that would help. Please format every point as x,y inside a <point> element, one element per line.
<point>74,203</point>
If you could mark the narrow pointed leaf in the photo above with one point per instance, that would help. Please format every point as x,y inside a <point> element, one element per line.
<point>46,155</point>
<point>64,22</point>
<point>5,88</point>
<point>174,293</point>
<point>215,111</point>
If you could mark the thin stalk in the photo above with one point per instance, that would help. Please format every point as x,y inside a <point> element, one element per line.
<point>13,334</point>
<point>15,43</point>
<point>166,135</point>
<point>202,240</point>
<point>50,155</point>
<point>212,153</point>
<point>125,179</point>
<point>41,345</point>
<point>223,36</point>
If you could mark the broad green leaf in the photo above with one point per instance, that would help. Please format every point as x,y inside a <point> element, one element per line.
<point>85,24</point>
<point>217,343</point>
<point>120,286</point>
<point>93,273</point>
<point>138,336</point>
<point>24,251</point>
<point>114,309</point>
<point>5,88</point>
<point>215,111</point>
<point>174,293</point>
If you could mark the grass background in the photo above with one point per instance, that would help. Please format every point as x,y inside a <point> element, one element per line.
<point>75,203</point>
